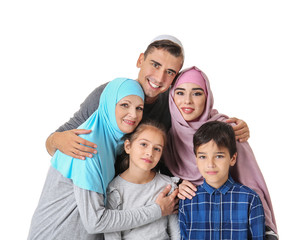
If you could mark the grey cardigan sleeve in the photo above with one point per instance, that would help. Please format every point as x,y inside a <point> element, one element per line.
<point>97,219</point>
<point>87,108</point>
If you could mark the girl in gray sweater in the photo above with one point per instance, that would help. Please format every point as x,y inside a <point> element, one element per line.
<point>139,184</point>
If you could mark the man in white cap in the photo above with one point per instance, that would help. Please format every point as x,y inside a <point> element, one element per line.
<point>159,65</point>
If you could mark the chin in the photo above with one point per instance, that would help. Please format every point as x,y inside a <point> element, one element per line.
<point>128,129</point>
<point>187,119</point>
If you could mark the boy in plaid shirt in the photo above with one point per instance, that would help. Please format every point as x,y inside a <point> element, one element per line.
<point>222,208</point>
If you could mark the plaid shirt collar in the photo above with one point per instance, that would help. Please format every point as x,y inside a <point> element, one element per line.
<point>223,189</point>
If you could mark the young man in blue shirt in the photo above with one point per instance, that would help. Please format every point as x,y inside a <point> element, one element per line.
<point>222,208</point>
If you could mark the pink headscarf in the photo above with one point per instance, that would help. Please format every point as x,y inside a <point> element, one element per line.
<point>180,158</point>
<point>193,76</point>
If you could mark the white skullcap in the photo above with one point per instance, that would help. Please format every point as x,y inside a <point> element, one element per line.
<point>170,38</point>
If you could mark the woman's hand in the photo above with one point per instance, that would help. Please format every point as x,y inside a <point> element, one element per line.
<point>241,129</point>
<point>186,190</point>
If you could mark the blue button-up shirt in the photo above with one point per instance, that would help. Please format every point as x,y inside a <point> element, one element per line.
<point>233,211</point>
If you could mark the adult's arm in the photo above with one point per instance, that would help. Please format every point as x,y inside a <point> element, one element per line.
<point>66,137</point>
<point>97,219</point>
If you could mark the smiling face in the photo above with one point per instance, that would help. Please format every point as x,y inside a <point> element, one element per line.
<point>129,112</point>
<point>145,151</point>
<point>157,72</point>
<point>190,100</point>
<point>214,162</point>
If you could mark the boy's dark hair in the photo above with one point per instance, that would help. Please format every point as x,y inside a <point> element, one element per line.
<point>122,161</point>
<point>222,134</point>
<point>173,48</point>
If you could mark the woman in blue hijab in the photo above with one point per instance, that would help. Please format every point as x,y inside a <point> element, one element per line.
<point>71,205</point>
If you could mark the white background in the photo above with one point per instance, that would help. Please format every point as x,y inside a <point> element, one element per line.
<point>54,53</point>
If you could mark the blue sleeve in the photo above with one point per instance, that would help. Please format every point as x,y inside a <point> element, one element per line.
<point>257,219</point>
<point>182,220</point>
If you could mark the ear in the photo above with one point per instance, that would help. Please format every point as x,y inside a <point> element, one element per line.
<point>127,146</point>
<point>233,160</point>
<point>140,60</point>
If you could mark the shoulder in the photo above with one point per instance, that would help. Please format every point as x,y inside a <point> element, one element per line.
<point>243,188</point>
<point>167,179</point>
<point>94,97</point>
<point>115,182</point>
<point>98,90</point>
<point>201,196</point>
<point>246,192</point>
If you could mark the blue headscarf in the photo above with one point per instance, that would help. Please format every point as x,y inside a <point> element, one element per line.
<point>95,173</point>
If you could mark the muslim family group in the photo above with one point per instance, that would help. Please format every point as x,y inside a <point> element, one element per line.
<point>151,159</point>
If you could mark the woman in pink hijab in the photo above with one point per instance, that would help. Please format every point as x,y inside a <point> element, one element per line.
<point>191,105</point>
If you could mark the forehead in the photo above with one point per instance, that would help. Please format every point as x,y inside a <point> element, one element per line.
<point>211,147</point>
<point>151,134</point>
<point>133,99</point>
<point>162,56</point>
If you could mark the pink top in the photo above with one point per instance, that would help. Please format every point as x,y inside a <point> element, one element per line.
<point>180,158</point>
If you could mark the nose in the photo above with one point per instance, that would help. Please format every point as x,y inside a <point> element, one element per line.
<point>188,98</point>
<point>133,112</point>
<point>149,151</point>
<point>160,76</point>
<point>211,163</point>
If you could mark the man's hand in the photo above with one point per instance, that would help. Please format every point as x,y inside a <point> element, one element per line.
<point>241,129</point>
<point>186,190</point>
<point>71,144</point>
<point>168,204</point>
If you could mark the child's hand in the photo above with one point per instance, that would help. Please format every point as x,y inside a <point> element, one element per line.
<point>186,190</point>
<point>168,204</point>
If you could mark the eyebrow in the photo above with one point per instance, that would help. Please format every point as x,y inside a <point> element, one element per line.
<point>125,100</point>
<point>150,141</point>
<point>201,153</point>
<point>172,70</point>
<point>178,88</point>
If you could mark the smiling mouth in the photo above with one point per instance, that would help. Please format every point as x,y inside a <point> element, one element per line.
<point>129,122</point>
<point>153,85</point>
<point>187,110</point>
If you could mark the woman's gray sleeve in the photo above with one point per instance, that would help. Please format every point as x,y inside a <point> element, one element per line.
<point>97,219</point>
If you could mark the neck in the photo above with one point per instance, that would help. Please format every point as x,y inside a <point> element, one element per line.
<point>149,100</point>
<point>138,177</point>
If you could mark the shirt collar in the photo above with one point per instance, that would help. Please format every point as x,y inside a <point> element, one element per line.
<point>223,189</point>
